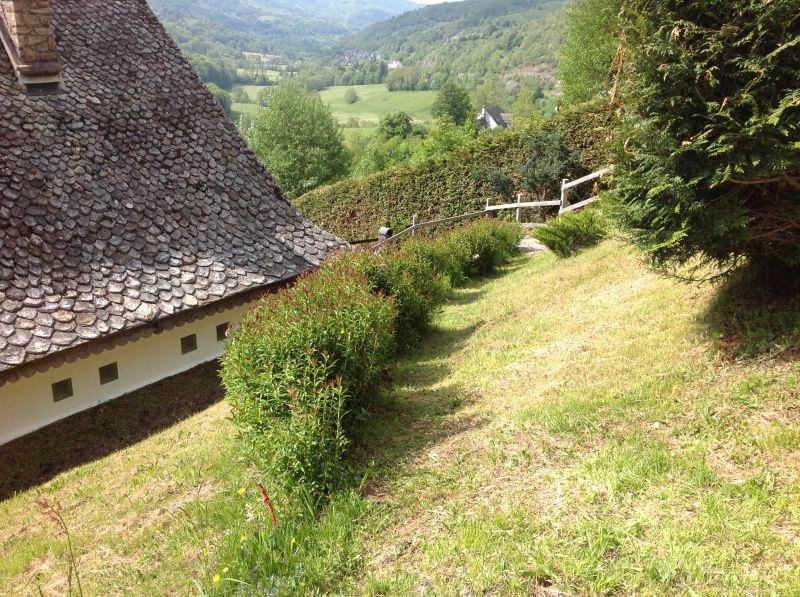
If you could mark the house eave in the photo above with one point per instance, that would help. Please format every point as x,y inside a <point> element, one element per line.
<point>143,330</point>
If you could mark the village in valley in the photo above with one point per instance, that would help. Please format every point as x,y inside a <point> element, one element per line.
<point>481,297</point>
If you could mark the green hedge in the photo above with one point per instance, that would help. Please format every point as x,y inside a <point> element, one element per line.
<point>447,185</point>
<point>298,363</point>
<point>305,360</point>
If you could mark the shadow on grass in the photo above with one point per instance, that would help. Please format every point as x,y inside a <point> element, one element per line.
<point>466,297</point>
<point>93,434</point>
<point>417,410</point>
<point>752,316</point>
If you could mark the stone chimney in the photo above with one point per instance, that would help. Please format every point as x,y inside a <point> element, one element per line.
<point>26,30</point>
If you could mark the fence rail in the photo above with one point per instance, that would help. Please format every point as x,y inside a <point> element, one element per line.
<point>563,205</point>
<point>414,227</point>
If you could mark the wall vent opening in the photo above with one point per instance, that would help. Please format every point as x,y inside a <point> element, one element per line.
<point>188,344</point>
<point>222,331</point>
<point>62,390</point>
<point>109,373</point>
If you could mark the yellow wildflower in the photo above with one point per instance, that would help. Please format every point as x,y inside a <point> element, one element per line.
<point>242,539</point>
<point>294,540</point>
<point>216,579</point>
<point>225,570</point>
<point>242,490</point>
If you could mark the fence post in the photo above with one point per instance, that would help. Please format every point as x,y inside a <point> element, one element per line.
<point>519,210</point>
<point>564,195</point>
<point>414,223</point>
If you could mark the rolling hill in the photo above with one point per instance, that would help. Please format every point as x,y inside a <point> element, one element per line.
<point>476,37</point>
<point>225,28</point>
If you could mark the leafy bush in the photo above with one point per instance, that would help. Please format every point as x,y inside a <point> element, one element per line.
<point>570,232</point>
<point>351,96</point>
<point>476,249</point>
<point>298,139</point>
<point>417,289</point>
<point>709,167</point>
<point>304,361</point>
<point>299,364</point>
<point>453,183</point>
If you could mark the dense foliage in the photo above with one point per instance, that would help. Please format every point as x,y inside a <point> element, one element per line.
<point>453,104</point>
<point>709,164</point>
<point>451,183</point>
<point>303,363</point>
<point>591,39</point>
<point>299,362</point>
<point>549,155</point>
<point>472,39</point>
<point>397,124</point>
<point>298,140</point>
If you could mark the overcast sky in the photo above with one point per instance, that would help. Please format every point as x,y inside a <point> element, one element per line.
<point>433,1</point>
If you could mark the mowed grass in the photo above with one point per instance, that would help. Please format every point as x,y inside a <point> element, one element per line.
<point>144,519</point>
<point>375,101</point>
<point>573,429</point>
<point>569,427</point>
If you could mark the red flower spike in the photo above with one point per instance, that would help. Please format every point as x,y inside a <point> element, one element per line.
<point>268,502</point>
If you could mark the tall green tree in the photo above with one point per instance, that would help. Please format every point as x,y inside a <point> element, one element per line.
<point>298,139</point>
<point>452,103</point>
<point>591,39</point>
<point>397,124</point>
<point>524,108</point>
<point>709,160</point>
<point>351,96</point>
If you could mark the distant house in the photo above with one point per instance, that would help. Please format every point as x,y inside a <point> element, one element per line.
<point>135,224</point>
<point>394,64</point>
<point>492,117</point>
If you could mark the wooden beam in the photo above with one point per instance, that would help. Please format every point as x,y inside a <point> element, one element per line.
<point>587,178</point>
<point>415,227</point>
<point>576,206</point>
<point>520,205</point>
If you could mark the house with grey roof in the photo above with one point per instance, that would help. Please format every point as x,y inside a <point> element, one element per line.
<point>492,117</point>
<point>135,224</point>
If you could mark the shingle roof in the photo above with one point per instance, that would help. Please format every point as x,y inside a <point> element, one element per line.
<point>498,115</point>
<point>130,197</point>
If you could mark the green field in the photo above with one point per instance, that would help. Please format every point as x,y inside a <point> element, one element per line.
<point>375,102</point>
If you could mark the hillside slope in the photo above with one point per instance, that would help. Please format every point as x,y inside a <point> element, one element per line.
<point>282,27</point>
<point>570,427</point>
<point>475,37</point>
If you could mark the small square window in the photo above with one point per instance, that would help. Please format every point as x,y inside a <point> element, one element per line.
<point>188,344</point>
<point>62,390</point>
<point>109,373</point>
<point>222,331</point>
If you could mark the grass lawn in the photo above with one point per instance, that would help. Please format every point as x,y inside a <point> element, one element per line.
<point>571,427</point>
<point>375,102</point>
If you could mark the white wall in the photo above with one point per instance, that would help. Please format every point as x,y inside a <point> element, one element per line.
<point>27,405</point>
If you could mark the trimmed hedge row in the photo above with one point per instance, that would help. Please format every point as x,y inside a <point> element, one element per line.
<point>305,360</point>
<point>450,184</point>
